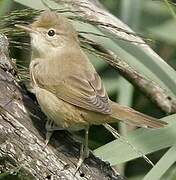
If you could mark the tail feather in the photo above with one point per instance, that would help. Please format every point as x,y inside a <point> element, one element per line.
<point>131,116</point>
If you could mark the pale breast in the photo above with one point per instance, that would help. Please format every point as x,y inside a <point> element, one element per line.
<point>64,115</point>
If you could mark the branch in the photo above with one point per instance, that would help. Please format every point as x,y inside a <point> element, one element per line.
<point>22,137</point>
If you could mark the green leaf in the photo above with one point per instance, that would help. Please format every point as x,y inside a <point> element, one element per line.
<point>125,95</point>
<point>165,31</point>
<point>162,165</point>
<point>142,58</point>
<point>144,140</point>
<point>98,63</point>
<point>111,85</point>
<point>5,6</point>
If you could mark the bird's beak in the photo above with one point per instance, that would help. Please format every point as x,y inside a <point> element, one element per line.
<point>26,28</point>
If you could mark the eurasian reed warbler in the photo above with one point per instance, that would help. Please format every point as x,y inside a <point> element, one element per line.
<point>67,86</point>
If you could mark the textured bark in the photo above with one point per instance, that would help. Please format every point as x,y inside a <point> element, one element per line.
<point>22,137</point>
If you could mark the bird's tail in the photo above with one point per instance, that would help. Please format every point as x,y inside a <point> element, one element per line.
<point>130,116</point>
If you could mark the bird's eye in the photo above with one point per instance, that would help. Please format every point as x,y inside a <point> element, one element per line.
<point>51,32</point>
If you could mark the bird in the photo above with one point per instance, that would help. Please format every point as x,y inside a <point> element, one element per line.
<point>66,85</point>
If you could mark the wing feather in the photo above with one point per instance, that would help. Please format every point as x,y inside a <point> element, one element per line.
<point>86,91</point>
<point>85,94</point>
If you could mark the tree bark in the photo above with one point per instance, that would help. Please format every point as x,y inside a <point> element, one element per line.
<point>22,135</point>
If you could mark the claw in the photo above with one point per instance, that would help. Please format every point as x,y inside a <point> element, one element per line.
<point>48,137</point>
<point>50,127</point>
<point>78,165</point>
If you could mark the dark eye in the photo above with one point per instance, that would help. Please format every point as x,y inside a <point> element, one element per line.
<point>51,32</point>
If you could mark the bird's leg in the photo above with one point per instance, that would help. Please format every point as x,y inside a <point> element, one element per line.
<point>84,151</point>
<point>50,127</point>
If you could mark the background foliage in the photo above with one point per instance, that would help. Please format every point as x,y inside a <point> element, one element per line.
<point>154,21</point>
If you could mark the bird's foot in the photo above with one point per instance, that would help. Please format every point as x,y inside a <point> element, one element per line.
<point>50,127</point>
